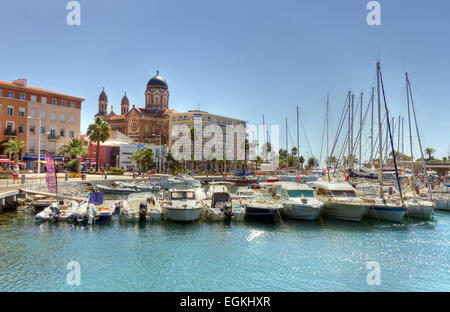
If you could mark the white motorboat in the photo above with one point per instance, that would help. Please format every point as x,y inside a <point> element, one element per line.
<point>244,192</point>
<point>442,201</point>
<point>340,200</point>
<point>63,211</point>
<point>183,206</point>
<point>141,207</point>
<point>299,201</point>
<point>221,208</point>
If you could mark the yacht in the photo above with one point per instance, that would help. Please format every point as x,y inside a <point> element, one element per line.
<point>218,187</point>
<point>182,206</point>
<point>221,208</point>
<point>340,200</point>
<point>299,201</point>
<point>61,211</point>
<point>141,207</point>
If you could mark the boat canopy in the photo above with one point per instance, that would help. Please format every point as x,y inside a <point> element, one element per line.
<point>295,186</point>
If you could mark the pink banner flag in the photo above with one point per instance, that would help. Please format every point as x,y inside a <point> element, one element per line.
<point>51,173</point>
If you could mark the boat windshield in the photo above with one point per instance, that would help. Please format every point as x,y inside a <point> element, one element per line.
<point>182,195</point>
<point>300,193</point>
<point>343,193</point>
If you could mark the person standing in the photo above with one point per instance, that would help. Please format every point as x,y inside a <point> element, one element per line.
<point>16,174</point>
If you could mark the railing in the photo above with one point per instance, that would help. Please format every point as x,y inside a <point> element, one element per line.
<point>10,132</point>
<point>53,137</point>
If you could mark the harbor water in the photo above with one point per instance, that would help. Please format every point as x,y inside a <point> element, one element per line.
<point>245,256</point>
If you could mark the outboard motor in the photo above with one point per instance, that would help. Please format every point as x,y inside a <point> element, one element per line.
<point>118,206</point>
<point>55,213</point>
<point>227,211</point>
<point>142,211</point>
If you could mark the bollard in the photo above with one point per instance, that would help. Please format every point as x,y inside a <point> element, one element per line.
<point>83,177</point>
<point>106,175</point>
<point>143,175</point>
<point>66,177</point>
<point>22,179</point>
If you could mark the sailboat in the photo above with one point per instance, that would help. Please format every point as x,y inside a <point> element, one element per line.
<point>382,208</point>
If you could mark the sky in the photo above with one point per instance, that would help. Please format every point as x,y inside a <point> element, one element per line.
<point>239,58</point>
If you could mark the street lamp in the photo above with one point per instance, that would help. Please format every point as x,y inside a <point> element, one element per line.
<point>160,152</point>
<point>39,144</point>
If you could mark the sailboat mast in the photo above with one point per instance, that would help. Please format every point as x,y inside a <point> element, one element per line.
<point>380,142</point>
<point>351,137</point>
<point>360,132</point>
<point>287,148</point>
<point>327,118</point>
<point>410,131</point>
<point>298,143</point>
<point>371,127</point>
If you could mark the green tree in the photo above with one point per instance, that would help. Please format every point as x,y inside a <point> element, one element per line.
<point>14,147</point>
<point>98,132</point>
<point>148,159</point>
<point>301,160</point>
<point>138,157</point>
<point>258,162</point>
<point>312,163</point>
<point>75,150</point>
<point>430,151</point>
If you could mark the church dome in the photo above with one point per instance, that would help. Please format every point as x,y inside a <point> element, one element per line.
<point>157,82</point>
<point>103,96</point>
<point>125,100</point>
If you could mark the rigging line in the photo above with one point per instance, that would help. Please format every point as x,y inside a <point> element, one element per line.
<point>307,141</point>
<point>390,135</point>
<point>323,138</point>
<point>340,125</point>
<point>358,136</point>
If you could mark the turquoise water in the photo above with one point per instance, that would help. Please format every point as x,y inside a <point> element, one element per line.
<point>247,256</point>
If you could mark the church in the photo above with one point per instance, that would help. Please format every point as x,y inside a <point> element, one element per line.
<point>141,124</point>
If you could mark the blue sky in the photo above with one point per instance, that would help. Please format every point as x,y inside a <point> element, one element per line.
<point>238,58</point>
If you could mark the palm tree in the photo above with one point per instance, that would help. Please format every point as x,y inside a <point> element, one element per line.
<point>138,157</point>
<point>148,158</point>
<point>301,160</point>
<point>312,162</point>
<point>98,132</point>
<point>74,149</point>
<point>14,147</point>
<point>258,162</point>
<point>429,151</point>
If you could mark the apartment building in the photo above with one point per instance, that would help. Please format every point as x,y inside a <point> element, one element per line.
<point>194,119</point>
<point>33,114</point>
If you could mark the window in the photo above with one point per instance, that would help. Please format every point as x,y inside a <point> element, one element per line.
<point>71,134</point>
<point>31,147</point>
<point>32,113</point>
<point>63,103</point>
<point>63,117</point>
<point>32,130</point>
<point>10,110</point>
<point>9,126</point>
<point>21,129</point>
<point>43,115</point>
<point>43,100</point>
<point>1,92</point>
<point>72,104</point>
<point>1,109</point>
<point>42,130</point>
<point>11,94</point>
<point>52,147</point>
<point>52,132</point>
<point>22,96</point>
<point>22,112</point>
<point>62,132</point>
<point>71,118</point>
<point>33,98</point>
<point>156,101</point>
<point>53,101</point>
<point>53,116</point>
<point>43,146</point>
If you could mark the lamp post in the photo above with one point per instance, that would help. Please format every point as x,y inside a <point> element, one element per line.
<point>39,144</point>
<point>160,152</point>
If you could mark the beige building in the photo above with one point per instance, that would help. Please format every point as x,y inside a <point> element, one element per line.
<point>233,135</point>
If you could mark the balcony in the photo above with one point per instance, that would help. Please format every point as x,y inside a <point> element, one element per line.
<point>53,137</point>
<point>9,132</point>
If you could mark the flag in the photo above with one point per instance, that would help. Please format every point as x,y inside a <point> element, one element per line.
<point>51,173</point>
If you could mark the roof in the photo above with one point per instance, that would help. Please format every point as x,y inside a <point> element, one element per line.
<point>39,90</point>
<point>334,186</point>
<point>117,117</point>
<point>157,81</point>
<point>290,186</point>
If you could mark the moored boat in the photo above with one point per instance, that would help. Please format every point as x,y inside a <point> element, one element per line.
<point>262,206</point>
<point>182,206</point>
<point>299,201</point>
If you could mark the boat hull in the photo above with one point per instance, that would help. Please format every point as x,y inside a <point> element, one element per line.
<point>183,215</point>
<point>387,213</point>
<point>260,212</point>
<point>442,204</point>
<point>420,211</point>
<point>344,212</point>
<point>302,211</point>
